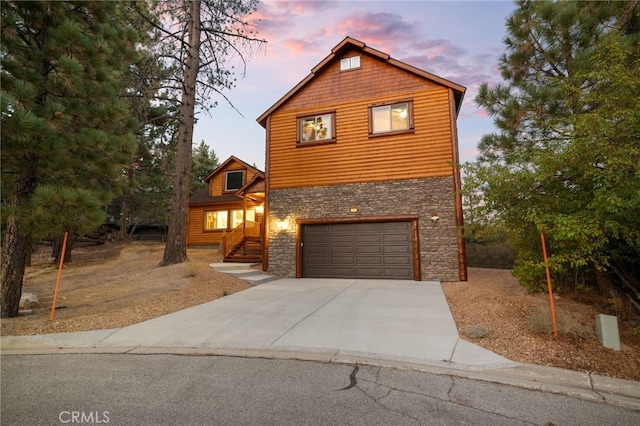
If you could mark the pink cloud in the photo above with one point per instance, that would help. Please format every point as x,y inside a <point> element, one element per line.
<point>384,31</point>
<point>296,46</point>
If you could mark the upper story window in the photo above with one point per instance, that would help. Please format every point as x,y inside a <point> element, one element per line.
<point>390,118</point>
<point>317,128</point>
<point>233,180</point>
<point>350,63</point>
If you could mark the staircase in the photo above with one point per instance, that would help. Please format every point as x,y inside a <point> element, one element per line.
<point>248,250</point>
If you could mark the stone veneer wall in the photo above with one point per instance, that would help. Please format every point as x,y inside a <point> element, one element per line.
<point>422,197</point>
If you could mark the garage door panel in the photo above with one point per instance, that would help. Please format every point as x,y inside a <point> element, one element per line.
<point>369,239</point>
<point>397,249</point>
<point>338,272</point>
<point>396,238</point>
<point>342,260</point>
<point>371,249</point>
<point>342,239</point>
<point>319,272</point>
<point>342,249</point>
<point>396,260</point>
<point>369,260</point>
<point>369,272</point>
<point>318,260</point>
<point>318,239</point>
<point>358,250</point>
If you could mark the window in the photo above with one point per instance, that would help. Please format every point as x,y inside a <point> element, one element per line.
<point>316,128</point>
<point>390,118</point>
<point>215,220</point>
<point>234,180</point>
<point>236,217</point>
<point>350,63</point>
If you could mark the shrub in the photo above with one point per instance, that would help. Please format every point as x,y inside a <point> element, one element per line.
<point>539,321</point>
<point>478,332</point>
<point>190,269</point>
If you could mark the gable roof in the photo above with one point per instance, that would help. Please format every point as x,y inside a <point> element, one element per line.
<point>226,162</point>
<point>351,43</point>
<point>256,184</point>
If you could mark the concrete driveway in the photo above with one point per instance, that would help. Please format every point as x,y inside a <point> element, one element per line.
<point>381,319</point>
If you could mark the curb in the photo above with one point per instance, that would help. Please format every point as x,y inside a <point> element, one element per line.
<point>618,392</point>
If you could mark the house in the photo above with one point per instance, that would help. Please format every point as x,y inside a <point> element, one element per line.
<point>229,211</point>
<point>360,176</point>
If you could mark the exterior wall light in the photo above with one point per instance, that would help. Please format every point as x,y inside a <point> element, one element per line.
<point>434,217</point>
<point>282,225</point>
<point>260,209</point>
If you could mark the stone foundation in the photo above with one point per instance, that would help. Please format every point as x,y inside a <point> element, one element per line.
<point>421,197</point>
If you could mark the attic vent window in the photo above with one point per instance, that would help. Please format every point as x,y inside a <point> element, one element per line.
<point>234,180</point>
<point>350,63</point>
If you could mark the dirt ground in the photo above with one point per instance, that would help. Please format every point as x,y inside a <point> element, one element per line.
<point>118,284</point>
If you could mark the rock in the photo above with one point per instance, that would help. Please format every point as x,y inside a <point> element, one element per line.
<point>28,300</point>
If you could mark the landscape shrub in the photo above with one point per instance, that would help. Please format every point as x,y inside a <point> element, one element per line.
<point>539,321</point>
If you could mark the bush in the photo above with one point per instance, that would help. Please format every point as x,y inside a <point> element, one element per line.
<point>478,332</point>
<point>539,321</point>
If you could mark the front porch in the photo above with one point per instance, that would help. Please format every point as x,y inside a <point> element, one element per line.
<point>243,244</point>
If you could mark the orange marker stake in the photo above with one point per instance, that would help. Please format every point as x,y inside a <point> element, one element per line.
<point>546,267</point>
<point>55,293</point>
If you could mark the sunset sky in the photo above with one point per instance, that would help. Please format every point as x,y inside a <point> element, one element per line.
<point>457,40</point>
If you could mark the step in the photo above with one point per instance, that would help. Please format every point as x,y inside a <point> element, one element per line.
<point>243,273</point>
<point>258,279</point>
<point>230,266</point>
<point>243,259</point>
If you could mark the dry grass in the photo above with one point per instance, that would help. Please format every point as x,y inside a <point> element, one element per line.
<point>493,301</point>
<point>540,320</point>
<point>490,309</point>
<point>478,331</point>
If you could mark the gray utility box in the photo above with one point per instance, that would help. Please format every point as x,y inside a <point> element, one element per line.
<point>607,330</point>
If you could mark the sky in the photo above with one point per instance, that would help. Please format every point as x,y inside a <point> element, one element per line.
<point>458,40</point>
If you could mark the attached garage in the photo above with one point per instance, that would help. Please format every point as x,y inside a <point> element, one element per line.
<point>359,250</point>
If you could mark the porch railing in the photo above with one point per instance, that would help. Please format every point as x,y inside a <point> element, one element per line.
<point>234,237</point>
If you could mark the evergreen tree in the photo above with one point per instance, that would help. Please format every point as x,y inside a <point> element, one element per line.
<point>203,164</point>
<point>201,39</point>
<point>64,124</point>
<point>564,159</point>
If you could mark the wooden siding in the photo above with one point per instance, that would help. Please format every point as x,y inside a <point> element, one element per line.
<point>356,157</point>
<point>196,232</point>
<point>216,184</point>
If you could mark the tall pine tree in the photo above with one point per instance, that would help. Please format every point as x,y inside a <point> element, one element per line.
<point>202,40</point>
<point>64,123</point>
<point>564,159</point>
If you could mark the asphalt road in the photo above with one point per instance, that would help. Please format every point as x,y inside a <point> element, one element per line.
<point>207,390</point>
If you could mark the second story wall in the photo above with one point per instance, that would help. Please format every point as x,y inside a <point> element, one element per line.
<point>217,183</point>
<point>355,156</point>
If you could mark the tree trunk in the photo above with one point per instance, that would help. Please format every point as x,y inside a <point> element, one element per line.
<point>126,201</point>
<point>15,244</point>
<point>57,248</point>
<point>176,249</point>
<point>14,257</point>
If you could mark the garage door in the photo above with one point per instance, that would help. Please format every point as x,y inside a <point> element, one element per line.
<point>358,250</point>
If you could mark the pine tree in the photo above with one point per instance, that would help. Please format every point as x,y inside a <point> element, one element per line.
<point>564,158</point>
<point>203,164</point>
<point>201,38</point>
<point>66,130</point>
